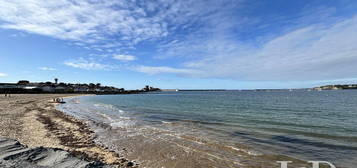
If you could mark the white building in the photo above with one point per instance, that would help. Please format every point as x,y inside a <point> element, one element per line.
<point>48,88</point>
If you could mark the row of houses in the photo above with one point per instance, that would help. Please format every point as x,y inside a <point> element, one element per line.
<point>148,88</point>
<point>25,86</point>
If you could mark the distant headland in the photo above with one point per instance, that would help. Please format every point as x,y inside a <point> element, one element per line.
<point>25,86</point>
<point>336,87</point>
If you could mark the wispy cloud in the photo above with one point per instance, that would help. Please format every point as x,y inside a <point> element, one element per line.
<point>46,68</point>
<point>82,63</point>
<point>106,23</point>
<point>152,70</point>
<point>313,52</point>
<point>123,57</point>
<point>3,74</point>
<point>85,20</point>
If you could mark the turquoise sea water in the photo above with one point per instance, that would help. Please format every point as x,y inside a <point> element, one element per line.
<point>308,125</point>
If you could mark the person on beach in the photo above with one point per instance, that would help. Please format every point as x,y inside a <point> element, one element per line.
<point>58,100</point>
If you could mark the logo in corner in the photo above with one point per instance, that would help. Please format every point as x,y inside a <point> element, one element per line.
<point>314,164</point>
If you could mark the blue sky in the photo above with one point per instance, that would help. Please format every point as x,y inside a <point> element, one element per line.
<point>231,44</point>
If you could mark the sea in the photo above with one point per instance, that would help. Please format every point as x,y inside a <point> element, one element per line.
<point>224,128</point>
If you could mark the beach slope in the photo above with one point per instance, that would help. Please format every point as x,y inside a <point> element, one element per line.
<point>33,121</point>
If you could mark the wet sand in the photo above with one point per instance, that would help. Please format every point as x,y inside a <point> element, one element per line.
<point>33,120</point>
<point>163,150</point>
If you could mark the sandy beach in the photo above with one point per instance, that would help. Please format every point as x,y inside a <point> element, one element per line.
<point>33,121</point>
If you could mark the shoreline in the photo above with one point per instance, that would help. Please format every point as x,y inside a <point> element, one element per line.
<point>34,121</point>
<point>167,148</point>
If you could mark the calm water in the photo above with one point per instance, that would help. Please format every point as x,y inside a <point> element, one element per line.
<point>226,126</point>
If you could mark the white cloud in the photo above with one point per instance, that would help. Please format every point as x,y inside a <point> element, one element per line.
<point>3,74</point>
<point>152,70</point>
<point>315,52</point>
<point>110,23</point>
<point>46,68</point>
<point>84,20</point>
<point>87,64</point>
<point>123,57</point>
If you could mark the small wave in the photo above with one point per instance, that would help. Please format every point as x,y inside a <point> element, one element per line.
<point>121,124</point>
<point>107,117</point>
<point>108,107</point>
<point>75,101</point>
<point>117,121</point>
<point>252,153</point>
<point>203,122</point>
<point>166,122</point>
<point>305,142</point>
<point>125,118</point>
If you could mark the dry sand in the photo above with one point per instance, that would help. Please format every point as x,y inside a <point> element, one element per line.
<point>33,120</point>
